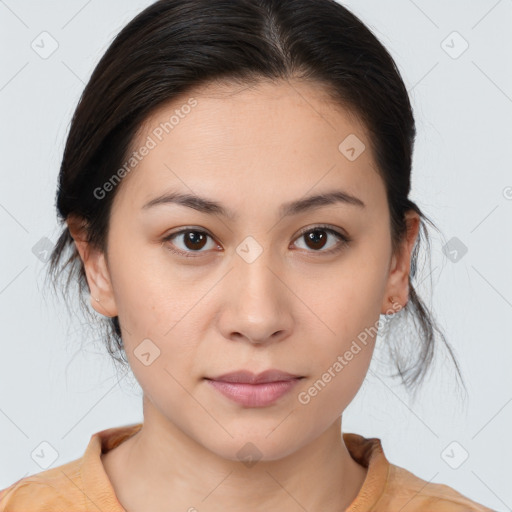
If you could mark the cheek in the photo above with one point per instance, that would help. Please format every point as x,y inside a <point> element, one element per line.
<point>338,375</point>
<point>347,322</point>
<point>146,287</point>
<point>156,311</point>
<point>346,300</point>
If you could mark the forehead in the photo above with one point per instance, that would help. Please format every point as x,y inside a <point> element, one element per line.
<point>251,140</point>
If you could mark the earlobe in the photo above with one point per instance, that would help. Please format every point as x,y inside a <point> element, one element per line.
<point>96,269</point>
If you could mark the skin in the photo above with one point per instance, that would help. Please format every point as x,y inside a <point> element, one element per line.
<point>293,308</point>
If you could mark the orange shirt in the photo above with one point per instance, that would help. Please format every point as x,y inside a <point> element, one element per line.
<point>82,485</point>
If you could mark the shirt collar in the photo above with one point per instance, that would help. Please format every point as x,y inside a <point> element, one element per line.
<point>367,452</point>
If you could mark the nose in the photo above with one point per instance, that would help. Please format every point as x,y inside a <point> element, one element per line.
<point>257,305</point>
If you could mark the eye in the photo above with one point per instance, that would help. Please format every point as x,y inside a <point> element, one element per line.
<point>317,237</point>
<point>193,240</point>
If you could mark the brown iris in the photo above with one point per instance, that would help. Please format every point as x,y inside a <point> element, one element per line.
<point>194,240</point>
<point>317,237</point>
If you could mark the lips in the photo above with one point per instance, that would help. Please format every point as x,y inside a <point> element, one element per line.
<point>250,390</point>
<point>247,377</point>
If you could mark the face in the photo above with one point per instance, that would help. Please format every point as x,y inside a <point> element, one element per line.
<point>252,282</point>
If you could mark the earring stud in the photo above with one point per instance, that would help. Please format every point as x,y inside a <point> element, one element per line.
<point>391,299</point>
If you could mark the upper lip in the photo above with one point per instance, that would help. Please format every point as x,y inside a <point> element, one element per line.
<point>247,377</point>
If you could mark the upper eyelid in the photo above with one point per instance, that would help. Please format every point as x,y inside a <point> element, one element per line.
<point>301,232</point>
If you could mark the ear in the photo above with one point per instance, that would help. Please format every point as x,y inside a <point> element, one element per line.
<point>398,280</point>
<point>96,268</point>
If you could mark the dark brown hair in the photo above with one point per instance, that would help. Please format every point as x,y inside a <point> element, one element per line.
<point>176,45</point>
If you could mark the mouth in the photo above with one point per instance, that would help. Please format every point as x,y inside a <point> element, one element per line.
<point>250,390</point>
<point>247,377</point>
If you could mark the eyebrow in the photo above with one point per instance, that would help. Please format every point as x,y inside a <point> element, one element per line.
<point>212,207</point>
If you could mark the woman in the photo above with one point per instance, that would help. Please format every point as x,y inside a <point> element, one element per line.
<point>235,191</point>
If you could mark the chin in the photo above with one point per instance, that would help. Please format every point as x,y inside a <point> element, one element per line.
<point>257,445</point>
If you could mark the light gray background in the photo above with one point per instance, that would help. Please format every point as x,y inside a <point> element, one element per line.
<point>59,386</point>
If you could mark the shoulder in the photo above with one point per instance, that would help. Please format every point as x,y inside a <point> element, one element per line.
<point>389,487</point>
<point>50,490</point>
<point>405,489</point>
<point>80,485</point>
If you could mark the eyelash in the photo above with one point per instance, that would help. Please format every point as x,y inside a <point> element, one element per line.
<point>344,240</point>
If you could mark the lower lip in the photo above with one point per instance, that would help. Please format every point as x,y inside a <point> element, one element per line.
<point>254,395</point>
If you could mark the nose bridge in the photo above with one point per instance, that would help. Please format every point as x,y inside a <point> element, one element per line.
<point>254,272</point>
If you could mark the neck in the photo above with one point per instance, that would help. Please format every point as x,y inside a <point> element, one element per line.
<point>160,465</point>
